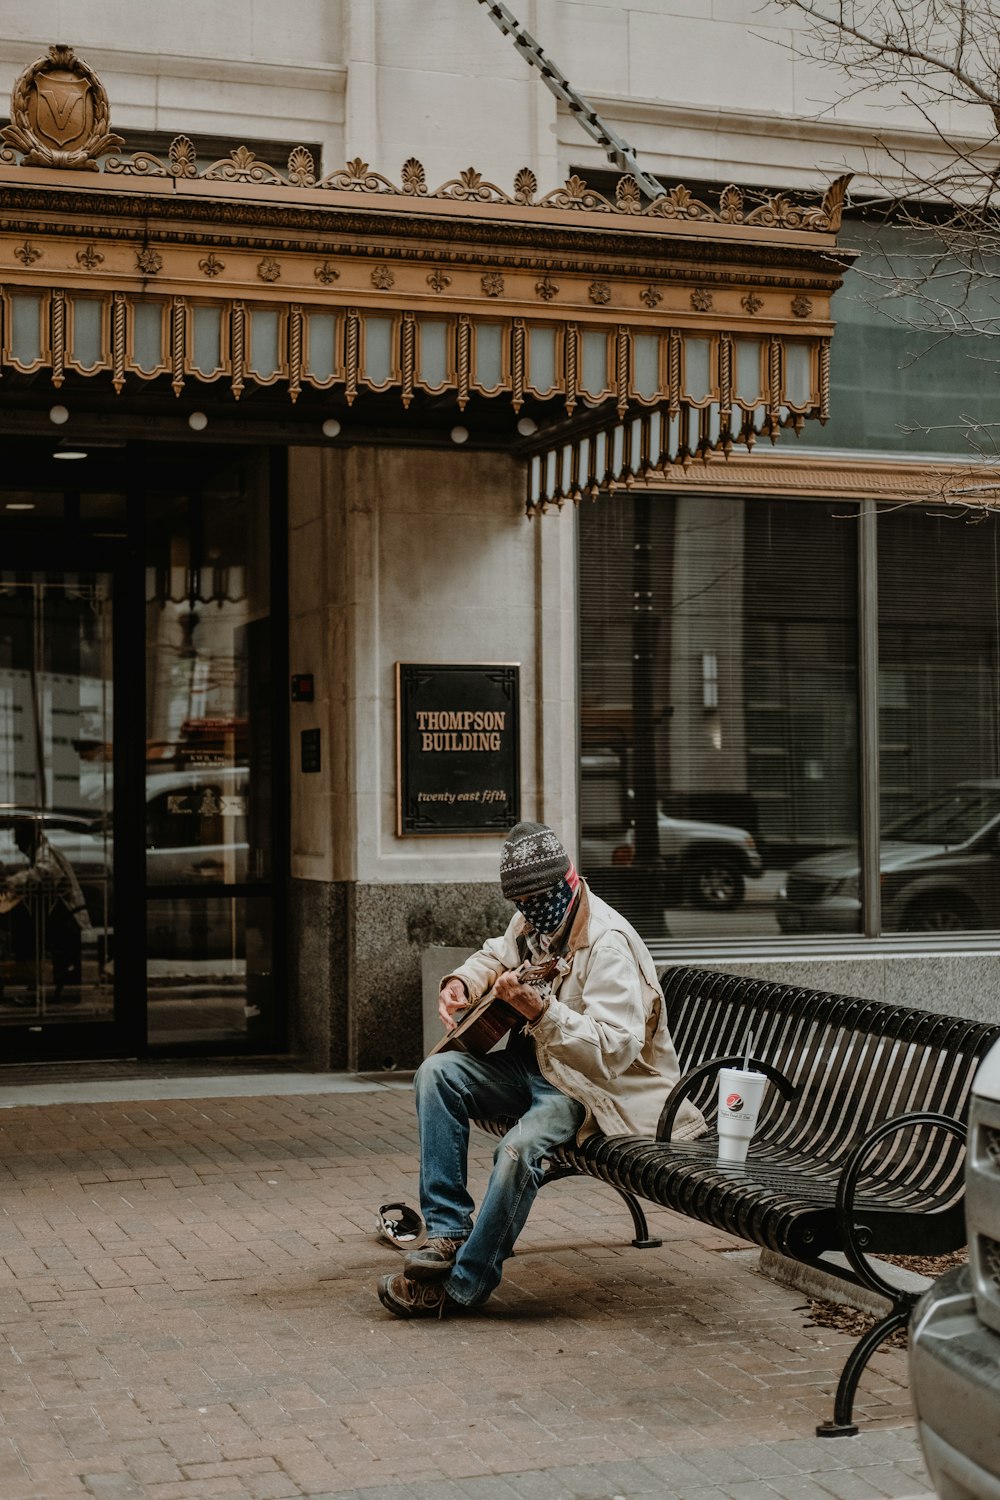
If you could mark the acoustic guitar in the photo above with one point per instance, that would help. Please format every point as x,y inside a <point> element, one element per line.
<point>490,1019</point>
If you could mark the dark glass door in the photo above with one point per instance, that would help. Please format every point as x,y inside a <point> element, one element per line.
<point>140,826</point>
<point>210,762</point>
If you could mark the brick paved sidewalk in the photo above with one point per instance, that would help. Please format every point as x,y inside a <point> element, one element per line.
<point>188,1309</point>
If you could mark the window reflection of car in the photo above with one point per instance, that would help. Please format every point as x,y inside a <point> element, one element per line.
<point>196,826</point>
<point>705,863</point>
<point>939,871</point>
<point>196,838</point>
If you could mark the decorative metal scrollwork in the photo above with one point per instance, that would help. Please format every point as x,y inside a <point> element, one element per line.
<point>301,168</point>
<point>357,177</point>
<point>414,178</point>
<point>242,165</point>
<point>182,157</point>
<point>525,186</point>
<point>469,187</point>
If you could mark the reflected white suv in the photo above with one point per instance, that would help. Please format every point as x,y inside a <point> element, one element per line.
<point>705,863</point>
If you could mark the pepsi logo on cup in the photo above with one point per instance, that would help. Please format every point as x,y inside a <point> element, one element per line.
<point>734,1102</point>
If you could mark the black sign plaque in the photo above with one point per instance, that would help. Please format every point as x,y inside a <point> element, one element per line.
<point>457,742</point>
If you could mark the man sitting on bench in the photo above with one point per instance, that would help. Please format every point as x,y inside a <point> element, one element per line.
<point>594,1054</point>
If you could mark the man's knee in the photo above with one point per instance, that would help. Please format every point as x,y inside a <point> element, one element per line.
<point>439,1070</point>
<point>521,1144</point>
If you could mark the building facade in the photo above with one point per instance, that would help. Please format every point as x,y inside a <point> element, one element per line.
<point>344,482</point>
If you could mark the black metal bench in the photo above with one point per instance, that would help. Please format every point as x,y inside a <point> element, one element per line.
<point>859,1147</point>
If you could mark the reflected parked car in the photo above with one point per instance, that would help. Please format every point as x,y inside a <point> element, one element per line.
<point>702,862</point>
<point>939,871</point>
<point>196,826</point>
<point>707,864</point>
<point>196,839</point>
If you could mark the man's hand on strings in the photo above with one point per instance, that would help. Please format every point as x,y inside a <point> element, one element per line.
<point>525,1000</point>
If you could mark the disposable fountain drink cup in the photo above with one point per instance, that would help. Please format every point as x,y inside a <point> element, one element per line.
<point>740,1095</point>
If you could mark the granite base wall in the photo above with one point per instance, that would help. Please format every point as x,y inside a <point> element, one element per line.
<point>355,965</point>
<point>318,973</point>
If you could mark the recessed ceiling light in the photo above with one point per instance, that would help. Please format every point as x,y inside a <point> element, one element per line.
<point>20,505</point>
<point>69,453</point>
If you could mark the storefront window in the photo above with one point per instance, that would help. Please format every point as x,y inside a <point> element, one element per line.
<point>939,619</point>
<point>719,740</point>
<point>898,384</point>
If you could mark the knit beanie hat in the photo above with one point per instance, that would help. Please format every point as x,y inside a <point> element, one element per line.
<point>531,860</point>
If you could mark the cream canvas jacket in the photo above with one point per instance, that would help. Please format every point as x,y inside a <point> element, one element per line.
<point>603,1039</point>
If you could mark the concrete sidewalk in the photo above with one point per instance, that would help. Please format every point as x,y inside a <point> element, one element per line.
<point>187,1295</point>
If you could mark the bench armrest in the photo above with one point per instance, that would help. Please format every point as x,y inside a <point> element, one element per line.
<point>687,1084</point>
<point>853,1235</point>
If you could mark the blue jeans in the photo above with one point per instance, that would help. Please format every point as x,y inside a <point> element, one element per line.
<point>451,1089</point>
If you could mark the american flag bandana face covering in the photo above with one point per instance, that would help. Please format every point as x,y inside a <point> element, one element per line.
<point>546,911</point>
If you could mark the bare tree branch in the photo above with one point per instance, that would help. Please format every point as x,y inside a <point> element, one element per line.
<point>889,36</point>
<point>940,278</point>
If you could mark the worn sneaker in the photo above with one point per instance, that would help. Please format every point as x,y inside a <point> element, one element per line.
<point>433,1261</point>
<point>413,1299</point>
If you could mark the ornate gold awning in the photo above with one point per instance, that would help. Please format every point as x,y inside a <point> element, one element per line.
<point>604,339</point>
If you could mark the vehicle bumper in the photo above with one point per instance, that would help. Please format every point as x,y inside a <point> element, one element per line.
<point>955,1381</point>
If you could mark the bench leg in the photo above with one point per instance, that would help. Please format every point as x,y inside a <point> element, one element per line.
<point>643,1239</point>
<point>841,1424</point>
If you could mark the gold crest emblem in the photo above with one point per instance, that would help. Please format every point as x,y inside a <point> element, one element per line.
<point>59,114</point>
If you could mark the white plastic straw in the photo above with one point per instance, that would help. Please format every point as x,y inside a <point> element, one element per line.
<point>749,1052</point>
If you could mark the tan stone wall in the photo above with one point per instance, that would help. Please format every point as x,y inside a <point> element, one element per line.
<point>412,555</point>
